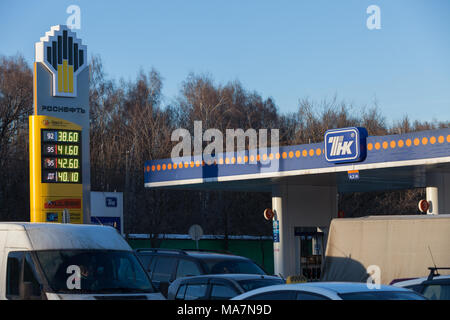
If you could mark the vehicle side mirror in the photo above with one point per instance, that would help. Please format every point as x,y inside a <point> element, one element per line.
<point>25,290</point>
<point>164,288</point>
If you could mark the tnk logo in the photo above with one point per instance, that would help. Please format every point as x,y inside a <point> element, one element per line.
<point>345,145</point>
<point>339,147</point>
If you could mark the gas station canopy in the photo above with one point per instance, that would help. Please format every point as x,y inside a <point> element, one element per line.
<point>393,162</point>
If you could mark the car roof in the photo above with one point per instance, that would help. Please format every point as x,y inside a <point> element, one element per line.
<point>346,287</point>
<point>234,276</point>
<point>325,288</point>
<point>190,253</point>
<point>421,280</point>
<point>214,255</point>
<point>55,236</point>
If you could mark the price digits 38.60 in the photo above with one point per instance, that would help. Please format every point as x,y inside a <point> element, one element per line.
<point>68,136</point>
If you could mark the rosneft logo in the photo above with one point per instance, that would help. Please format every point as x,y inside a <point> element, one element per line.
<point>64,56</point>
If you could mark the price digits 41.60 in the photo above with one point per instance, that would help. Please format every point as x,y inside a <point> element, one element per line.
<point>61,150</point>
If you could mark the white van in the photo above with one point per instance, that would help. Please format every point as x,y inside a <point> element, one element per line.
<point>67,261</point>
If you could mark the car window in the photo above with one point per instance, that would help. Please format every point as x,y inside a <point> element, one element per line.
<point>252,284</point>
<point>222,292</point>
<point>181,292</point>
<point>187,268</point>
<point>127,270</point>
<point>195,291</point>
<point>217,266</point>
<point>301,295</point>
<point>437,291</point>
<point>100,271</point>
<point>30,275</point>
<point>13,274</point>
<point>416,287</point>
<point>275,295</point>
<point>20,264</point>
<point>381,295</point>
<point>164,268</point>
<point>146,260</point>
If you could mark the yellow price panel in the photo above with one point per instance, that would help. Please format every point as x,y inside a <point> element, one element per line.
<point>55,169</point>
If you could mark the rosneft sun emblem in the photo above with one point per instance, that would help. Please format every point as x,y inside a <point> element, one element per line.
<point>64,56</point>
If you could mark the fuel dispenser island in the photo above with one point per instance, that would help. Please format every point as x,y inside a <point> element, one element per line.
<point>309,252</point>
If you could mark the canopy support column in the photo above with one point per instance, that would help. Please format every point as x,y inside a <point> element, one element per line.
<point>299,206</point>
<point>438,193</point>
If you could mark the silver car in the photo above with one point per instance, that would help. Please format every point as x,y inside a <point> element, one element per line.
<point>433,287</point>
<point>329,291</point>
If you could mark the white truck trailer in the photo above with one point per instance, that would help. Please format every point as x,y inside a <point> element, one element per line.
<point>386,247</point>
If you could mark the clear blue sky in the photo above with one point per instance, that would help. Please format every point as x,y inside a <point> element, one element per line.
<point>284,49</point>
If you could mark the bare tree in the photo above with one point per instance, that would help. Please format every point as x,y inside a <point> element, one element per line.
<point>16,97</point>
<point>130,125</point>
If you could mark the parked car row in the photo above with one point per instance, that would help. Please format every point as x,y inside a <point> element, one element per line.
<point>254,287</point>
<point>66,261</point>
<point>193,275</point>
<point>166,265</point>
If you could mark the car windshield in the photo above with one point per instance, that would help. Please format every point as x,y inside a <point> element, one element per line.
<point>381,295</point>
<point>252,284</point>
<point>93,271</point>
<point>217,266</point>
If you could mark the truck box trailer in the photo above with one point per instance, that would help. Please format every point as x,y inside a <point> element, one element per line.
<point>386,247</point>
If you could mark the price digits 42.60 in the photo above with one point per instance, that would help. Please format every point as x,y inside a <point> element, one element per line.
<point>61,163</point>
